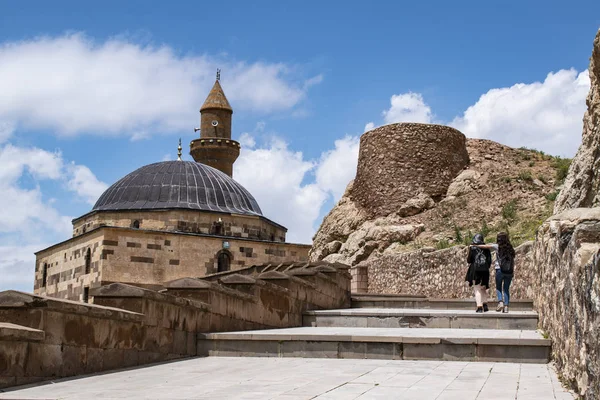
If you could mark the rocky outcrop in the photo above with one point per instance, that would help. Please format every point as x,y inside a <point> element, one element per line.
<point>582,185</point>
<point>566,263</point>
<point>497,175</point>
<point>405,162</point>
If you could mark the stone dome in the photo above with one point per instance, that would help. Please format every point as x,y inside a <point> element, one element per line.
<point>178,185</point>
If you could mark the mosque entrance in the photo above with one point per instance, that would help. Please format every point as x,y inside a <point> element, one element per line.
<point>223,262</point>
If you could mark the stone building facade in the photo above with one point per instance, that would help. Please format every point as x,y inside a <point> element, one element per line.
<point>169,220</point>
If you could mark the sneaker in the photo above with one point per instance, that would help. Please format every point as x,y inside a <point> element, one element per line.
<point>485,308</point>
<point>505,309</point>
<point>479,310</point>
<point>500,306</point>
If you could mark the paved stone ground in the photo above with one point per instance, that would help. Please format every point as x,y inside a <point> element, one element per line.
<point>295,379</point>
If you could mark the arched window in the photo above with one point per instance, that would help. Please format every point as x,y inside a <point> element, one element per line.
<point>135,224</point>
<point>88,261</point>
<point>223,261</point>
<point>44,275</point>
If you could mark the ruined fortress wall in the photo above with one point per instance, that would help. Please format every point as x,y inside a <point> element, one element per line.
<point>399,161</point>
<point>440,274</point>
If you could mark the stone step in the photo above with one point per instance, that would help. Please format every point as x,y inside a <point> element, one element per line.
<point>420,318</point>
<point>522,346</point>
<point>391,301</point>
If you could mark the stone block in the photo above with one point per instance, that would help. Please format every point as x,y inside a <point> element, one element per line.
<point>13,358</point>
<point>520,354</point>
<point>449,352</point>
<point>245,348</point>
<point>44,360</point>
<point>381,351</point>
<point>74,359</point>
<point>353,350</point>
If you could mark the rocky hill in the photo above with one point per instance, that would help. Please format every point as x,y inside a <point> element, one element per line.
<point>496,188</point>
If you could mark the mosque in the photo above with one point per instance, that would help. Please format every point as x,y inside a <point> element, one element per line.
<point>169,220</point>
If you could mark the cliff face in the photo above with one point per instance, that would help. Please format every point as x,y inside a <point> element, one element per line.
<point>582,186</point>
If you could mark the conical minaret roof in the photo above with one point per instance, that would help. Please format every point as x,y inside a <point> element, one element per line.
<point>216,99</point>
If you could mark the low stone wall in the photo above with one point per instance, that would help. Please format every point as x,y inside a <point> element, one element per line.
<point>439,274</point>
<point>43,338</point>
<point>566,262</point>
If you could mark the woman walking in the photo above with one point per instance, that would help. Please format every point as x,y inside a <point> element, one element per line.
<point>478,274</point>
<point>504,266</point>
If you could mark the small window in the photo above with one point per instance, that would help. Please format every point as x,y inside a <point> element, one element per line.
<point>88,261</point>
<point>45,275</point>
<point>86,294</point>
<point>135,224</point>
<point>217,228</point>
<point>223,262</point>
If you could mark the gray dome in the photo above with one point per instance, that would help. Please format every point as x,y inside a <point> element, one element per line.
<point>180,185</point>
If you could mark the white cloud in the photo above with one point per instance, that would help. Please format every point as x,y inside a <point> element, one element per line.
<point>543,115</point>
<point>337,167</point>
<point>84,183</point>
<point>72,85</point>
<point>407,107</point>
<point>275,176</point>
<point>247,140</point>
<point>369,126</point>
<point>17,264</point>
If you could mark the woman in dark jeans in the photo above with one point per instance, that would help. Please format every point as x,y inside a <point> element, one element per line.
<point>504,266</point>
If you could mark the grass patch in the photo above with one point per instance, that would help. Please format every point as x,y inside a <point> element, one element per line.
<point>552,196</point>
<point>442,244</point>
<point>561,165</point>
<point>509,211</point>
<point>526,176</point>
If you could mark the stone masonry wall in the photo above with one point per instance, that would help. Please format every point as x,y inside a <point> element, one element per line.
<point>190,221</point>
<point>66,267</point>
<point>440,274</point>
<point>150,258</point>
<point>398,162</point>
<point>566,262</point>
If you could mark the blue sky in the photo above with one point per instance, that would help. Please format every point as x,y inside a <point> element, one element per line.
<point>91,91</point>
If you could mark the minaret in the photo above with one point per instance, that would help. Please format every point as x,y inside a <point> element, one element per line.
<point>215,147</point>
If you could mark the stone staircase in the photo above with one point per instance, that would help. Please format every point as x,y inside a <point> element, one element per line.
<point>396,327</point>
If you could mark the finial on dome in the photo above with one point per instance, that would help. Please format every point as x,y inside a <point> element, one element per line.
<point>179,151</point>
<point>218,74</point>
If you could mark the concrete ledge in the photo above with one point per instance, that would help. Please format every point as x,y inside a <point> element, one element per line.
<point>14,332</point>
<point>438,304</point>
<point>349,349</point>
<point>420,318</point>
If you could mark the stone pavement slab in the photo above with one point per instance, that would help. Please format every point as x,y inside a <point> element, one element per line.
<point>295,379</point>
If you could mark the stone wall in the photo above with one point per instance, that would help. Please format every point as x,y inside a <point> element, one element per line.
<point>399,162</point>
<point>439,274</point>
<point>65,266</point>
<point>149,258</point>
<point>566,292</point>
<point>190,221</point>
<point>44,338</point>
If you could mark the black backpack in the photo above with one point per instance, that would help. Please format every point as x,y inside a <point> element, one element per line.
<point>480,261</point>
<point>507,264</point>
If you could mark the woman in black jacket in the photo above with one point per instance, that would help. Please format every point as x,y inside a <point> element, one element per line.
<point>504,268</point>
<point>478,274</point>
